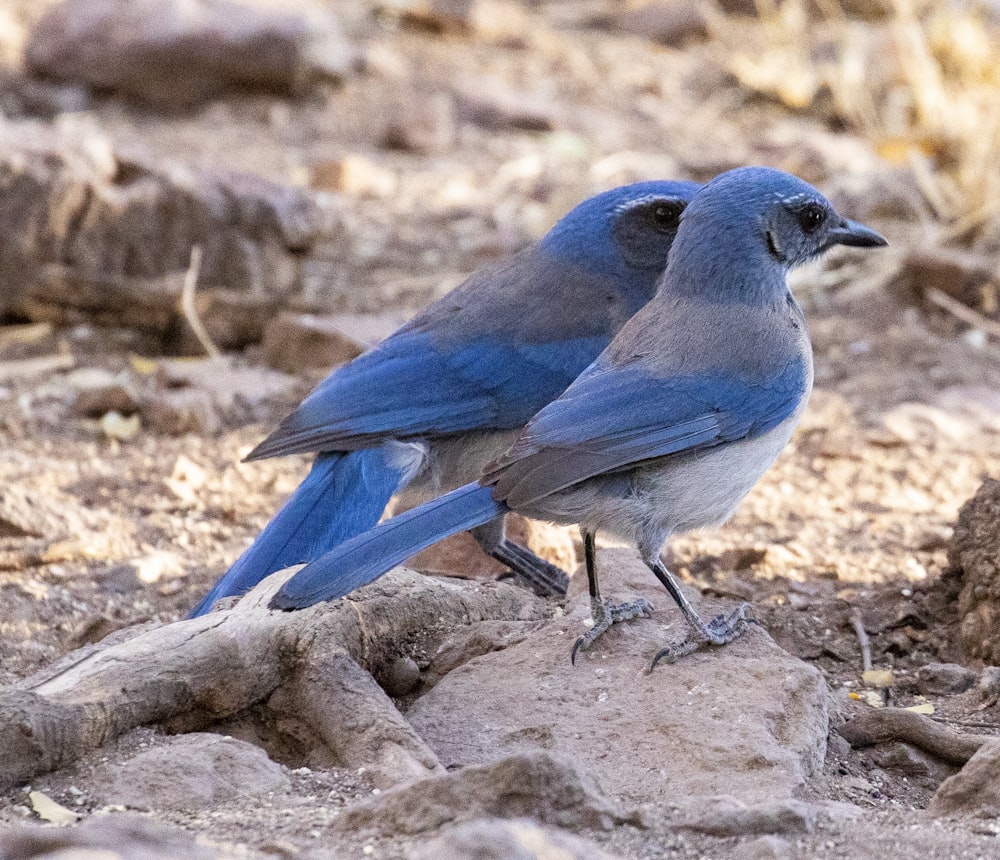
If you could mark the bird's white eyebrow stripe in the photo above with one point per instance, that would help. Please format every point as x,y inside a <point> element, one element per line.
<point>795,198</point>
<point>641,201</point>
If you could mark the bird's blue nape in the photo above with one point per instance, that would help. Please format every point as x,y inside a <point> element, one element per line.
<point>583,235</point>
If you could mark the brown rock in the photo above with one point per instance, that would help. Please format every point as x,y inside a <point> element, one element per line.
<point>178,53</point>
<point>919,768</point>
<point>225,380</point>
<point>107,837</point>
<point>726,816</point>
<point>866,10</point>
<point>354,175</point>
<point>768,848</point>
<point>746,720</point>
<point>191,771</point>
<point>738,7</point>
<point>975,789</point>
<point>485,19</point>
<point>99,400</point>
<point>556,544</point>
<point>465,643</point>
<point>550,789</point>
<point>458,555</point>
<point>425,125</point>
<point>957,273</point>
<point>175,412</point>
<point>89,235</point>
<point>296,342</point>
<point>666,22</point>
<point>400,677</point>
<point>520,839</point>
<point>944,679</point>
<point>493,105</point>
<point>975,555</point>
<point>44,98</point>
<point>442,16</point>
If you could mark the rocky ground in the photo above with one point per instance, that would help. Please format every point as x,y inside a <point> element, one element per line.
<point>365,160</point>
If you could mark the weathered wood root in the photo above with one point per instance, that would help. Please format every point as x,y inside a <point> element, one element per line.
<point>897,724</point>
<point>317,662</point>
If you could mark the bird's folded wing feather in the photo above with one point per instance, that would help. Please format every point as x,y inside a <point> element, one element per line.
<point>611,419</point>
<point>407,387</point>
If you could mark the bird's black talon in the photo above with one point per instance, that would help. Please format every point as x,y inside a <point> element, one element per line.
<point>672,653</point>
<point>606,614</point>
<point>576,647</point>
<point>661,654</point>
<point>721,630</point>
<point>682,649</point>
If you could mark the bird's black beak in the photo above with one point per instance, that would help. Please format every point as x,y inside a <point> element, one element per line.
<point>856,235</point>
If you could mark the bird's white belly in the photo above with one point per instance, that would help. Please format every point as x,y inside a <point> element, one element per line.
<point>704,489</point>
<point>676,495</point>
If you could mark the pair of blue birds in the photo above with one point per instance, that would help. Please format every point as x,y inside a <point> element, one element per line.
<point>636,371</point>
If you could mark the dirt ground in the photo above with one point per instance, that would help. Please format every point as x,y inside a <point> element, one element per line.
<point>97,534</point>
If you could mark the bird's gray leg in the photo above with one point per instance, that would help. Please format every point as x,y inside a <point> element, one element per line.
<point>545,579</point>
<point>604,614</point>
<point>721,630</point>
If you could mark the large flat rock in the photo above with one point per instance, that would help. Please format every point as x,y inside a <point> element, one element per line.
<point>747,720</point>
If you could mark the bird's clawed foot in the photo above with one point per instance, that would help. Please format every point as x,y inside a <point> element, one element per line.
<point>721,630</point>
<point>606,614</point>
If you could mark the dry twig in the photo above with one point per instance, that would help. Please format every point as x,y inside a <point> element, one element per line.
<point>188,304</point>
<point>866,648</point>
<point>963,312</point>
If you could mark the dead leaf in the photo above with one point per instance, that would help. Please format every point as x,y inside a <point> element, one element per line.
<point>48,810</point>
<point>114,425</point>
<point>877,678</point>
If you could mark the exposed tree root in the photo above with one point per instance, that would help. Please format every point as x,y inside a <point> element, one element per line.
<point>316,664</point>
<point>882,725</point>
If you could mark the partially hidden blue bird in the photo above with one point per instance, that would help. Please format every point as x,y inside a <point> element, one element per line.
<point>670,427</point>
<point>430,406</point>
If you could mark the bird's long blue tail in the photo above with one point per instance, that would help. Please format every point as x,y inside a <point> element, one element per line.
<point>344,495</point>
<point>366,557</point>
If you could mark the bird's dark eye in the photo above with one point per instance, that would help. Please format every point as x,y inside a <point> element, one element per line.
<point>810,217</point>
<point>665,214</point>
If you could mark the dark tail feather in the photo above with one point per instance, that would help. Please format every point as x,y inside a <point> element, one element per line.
<point>366,557</point>
<point>344,495</point>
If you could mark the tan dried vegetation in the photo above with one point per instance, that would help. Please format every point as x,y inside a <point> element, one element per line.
<point>920,79</point>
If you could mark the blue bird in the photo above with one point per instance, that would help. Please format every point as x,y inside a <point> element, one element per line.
<point>670,427</point>
<point>430,406</point>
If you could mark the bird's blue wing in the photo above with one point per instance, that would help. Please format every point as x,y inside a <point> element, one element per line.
<point>408,386</point>
<point>611,419</point>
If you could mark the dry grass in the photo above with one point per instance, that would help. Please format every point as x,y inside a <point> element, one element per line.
<point>921,82</point>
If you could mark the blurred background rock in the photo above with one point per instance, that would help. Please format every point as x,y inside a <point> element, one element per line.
<point>341,156</point>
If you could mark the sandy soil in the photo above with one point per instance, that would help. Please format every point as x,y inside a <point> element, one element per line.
<point>857,514</point>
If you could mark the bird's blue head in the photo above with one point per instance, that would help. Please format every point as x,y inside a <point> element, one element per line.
<point>625,233</point>
<point>747,227</point>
